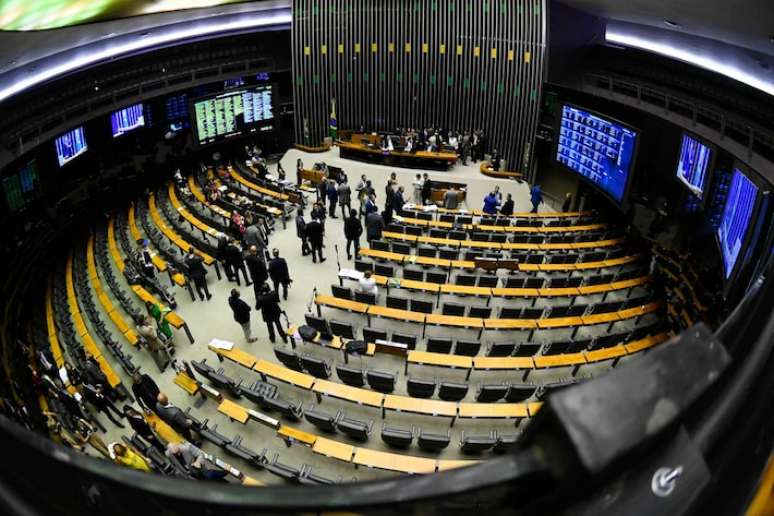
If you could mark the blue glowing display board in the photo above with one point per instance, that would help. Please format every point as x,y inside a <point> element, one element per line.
<point>693,164</point>
<point>70,145</point>
<point>736,219</point>
<point>127,119</point>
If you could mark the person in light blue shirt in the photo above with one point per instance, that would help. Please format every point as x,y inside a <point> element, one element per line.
<point>536,196</point>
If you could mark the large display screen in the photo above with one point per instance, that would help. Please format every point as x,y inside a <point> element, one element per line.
<point>599,149</point>
<point>70,145</point>
<point>177,112</point>
<point>693,164</point>
<point>51,14</point>
<point>124,120</point>
<point>736,219</point>
<point>22,187</point>
<point>232,113</point>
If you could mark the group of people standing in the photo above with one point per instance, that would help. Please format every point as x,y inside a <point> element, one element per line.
<point>467,144</point>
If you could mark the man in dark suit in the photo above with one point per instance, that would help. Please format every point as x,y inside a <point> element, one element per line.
<point>374,227</point>
<point>257,269</point>
<point>314,232</point>
<point>241,312</point>
<point>93,395</point>
<point>174,417</point>
<point>268,300</point>
<point>236,261</point>
<point>145,390</point>
<point>352,231</point>
<point>427,189</point>
<point>198,273</point>
<point>280,275</point>
<point>301,231</point>
<point>222,256</point>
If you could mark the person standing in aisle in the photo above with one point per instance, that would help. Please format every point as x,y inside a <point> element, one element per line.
<point>222,256</point>
<point>507,207</point>
<point>370,205</point>
<point>536,197</point>
<point>241,312</point>
<point>427,189</point>
<point>374,227</point>
<point>345,198</point>
<point>237,261</point>
<point>418,184</point>
<point>398,201</point>
<point>301,231</point>
<point>279,273</point>
<point>362,194</point>
<point>270,308</point>
<point>490,204</point>
<point>299,170</point>
<point>567,202</point>
<point>198,273</point>
<point>450,199</point>
<point>333,198</point>
<point>257,269</point>
<point>352,231</point>
<point>315,232</point>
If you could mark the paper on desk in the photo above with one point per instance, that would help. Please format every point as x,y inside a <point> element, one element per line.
<point>350,274</point>
<point>430,207</point>
<point>222,344</point>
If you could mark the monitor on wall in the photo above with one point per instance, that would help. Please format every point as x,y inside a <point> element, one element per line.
<point>694,164</point>
<point>127,119</point>
<point>233,113</point>
<point>70,145</point>
<point>736,220</point>
<point>600,149</point>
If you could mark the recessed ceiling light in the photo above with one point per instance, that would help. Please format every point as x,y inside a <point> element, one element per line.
<point>670,23</point>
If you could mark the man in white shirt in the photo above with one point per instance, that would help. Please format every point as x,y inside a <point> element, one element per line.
<point>367,285</point>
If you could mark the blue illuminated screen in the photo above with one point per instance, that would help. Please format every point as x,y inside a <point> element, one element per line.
<point>70,145</point>
<point>736,219</point>
<point>124,120</point>
<point>693,165</point>
<point>600,150</point>
<point>177,112</point>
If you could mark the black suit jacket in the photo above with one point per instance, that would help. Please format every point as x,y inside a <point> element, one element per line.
<point>314,232</point>
<point>278,270</point>
<point>240,308</point>
<point>257,269</point>
<point>146,392</point>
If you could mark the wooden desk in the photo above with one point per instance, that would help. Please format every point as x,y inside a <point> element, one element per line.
<point>236,355</point>
<point>462,290</point>
<point>600,318</point>
<point>515,292</point>
<point>251,482</point>
<point>233,411</point>
<point>439,359</point>
<point>420,285</point>
<point>393,461</point>
<point>199,195</point>
<point>598,355</point>
<point>446,464</point>
<point>421,159</point>
<point>493,410</point>
<point>348,393</point>
<point>559,322</point>
<point>333,449</point>
<point>342,304</point>
<point>558,292</point>
<point>291,434</point>
<point>384,255</point>
<point>647,342</point>
<point>639,310</point>
<point>186,383</point>
<point>502,363</point>
<point>420,406</point>
<point>534,407</point>
<point>395,313</point>
<point>452,320</point>
<point>561,360</point>
<point>510,324</point>
<point>284,374</point>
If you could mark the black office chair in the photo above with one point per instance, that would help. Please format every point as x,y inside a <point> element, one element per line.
<point>413,274</point>
<point>341,292</point>
<point>468,348</point>
<point>404,338</point>
<point>400,303</point>
<point>417,388</point>
<point>439,345</point>
<point>372,335</point>
<point>454,309</point>
<point>451,391</point>
<point>342,329</point>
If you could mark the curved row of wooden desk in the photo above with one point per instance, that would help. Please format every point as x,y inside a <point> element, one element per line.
<point>158,261</point>
<point>275,212</point>
<point>89,344</point>
<point>486,169</point>
<point>412,259</point>
<point>323,300</point>
<point>171,234</point>
<point>505,246</point>
<point>199,196</point>
<point>500,229</point>
<point>373,399</point>
<point>464,290</point>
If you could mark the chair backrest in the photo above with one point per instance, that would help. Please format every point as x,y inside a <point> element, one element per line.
<point>381,381</point>
<point>427,251</point>
<point>395,228</point>
<point>420,388</point>
<point>438,278</point>
<point>321,420</point>
<point>480,312</point>
<point>397,437</point>
<point>350,375</point>
<point>508,312</point>
<point>433,442</point>
<point>514,282</point>
<point>468,348</point>
<point>439,345</point>
<point>501,349</point>
<point>413,274</point>
<point>318,323</point>
<point>450,391</point>
<point>382,269</point>
<point>358,430</point>
<point>372,335</point>
<point>488,281</point>
<point>439,233</point>
<point>480,236</point>
<point>517,393</point>
<point>557,348</point>
<point>489,393</point>
<point>317,367</point>
<point>401,248</point>
<point>380,245</point>
<point>532,313</point>
<point>418,305</point>
<point>457,235</point>
<point>341,292</point>
<point>365,297</point>
<point>505,443</point>
<point>454,309</point>
<point>404,338</point>
<point>527,349</point>
<point>288,358</point>
<point>342,329</point>
<point>400,303</point>
<point>465,280</point>
<point>414,230</point>
<point>448,253</point>
<point>363,266</point>
<point>474,444</point>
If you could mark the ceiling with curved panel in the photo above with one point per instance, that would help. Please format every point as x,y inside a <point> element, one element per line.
<point>743,23</point>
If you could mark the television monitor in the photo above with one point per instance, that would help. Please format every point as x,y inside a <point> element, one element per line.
<point>233,113</point>
<point>262,77</point>
<point>127,119</point>
<point>177,112</point>
<point>233,83</point>
<point>736,219</point>
<point>600,149</point>
<point>694,164</point>
<point>70,145</point>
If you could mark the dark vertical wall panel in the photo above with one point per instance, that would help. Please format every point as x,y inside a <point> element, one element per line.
<point>460,64</point>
